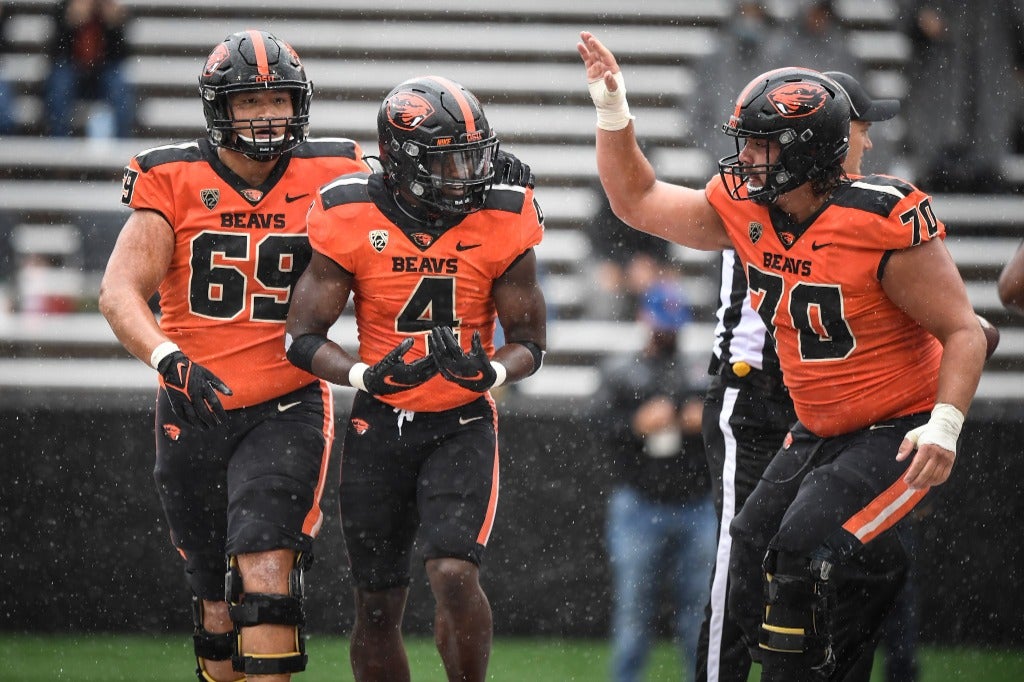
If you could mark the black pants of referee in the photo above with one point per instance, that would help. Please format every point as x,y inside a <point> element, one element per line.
<point>745,422</point>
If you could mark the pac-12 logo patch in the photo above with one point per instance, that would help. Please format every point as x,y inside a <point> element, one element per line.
<point>210,197</point>
<point>755,230</point>
<point>378,239</point>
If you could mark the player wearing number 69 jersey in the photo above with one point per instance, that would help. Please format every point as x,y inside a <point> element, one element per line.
<point>436,250</point>
<point>878,343</point>
<point>243,436</point>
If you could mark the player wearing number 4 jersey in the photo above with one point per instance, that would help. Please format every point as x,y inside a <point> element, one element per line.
<point>243,436</point>
<point>434,250</point>
<point>879,347</point>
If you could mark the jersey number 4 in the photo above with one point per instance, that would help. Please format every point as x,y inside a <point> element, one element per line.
<point>219,289</point>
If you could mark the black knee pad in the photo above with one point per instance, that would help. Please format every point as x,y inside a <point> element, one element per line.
<point>799,607</point>
<point>254,608</point>
<point>208,645</point>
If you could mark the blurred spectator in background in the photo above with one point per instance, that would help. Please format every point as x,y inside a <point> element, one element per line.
<point>7,120</point>
<point>660,523</point>
<point>963,91</point>
<point>814,39</point>
<point>627,263</point>
<point>739,55</point>
<point>88,54</point>
<point>864,111</point>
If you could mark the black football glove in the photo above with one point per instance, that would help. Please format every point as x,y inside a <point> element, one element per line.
<point>471,370</point>
<point>509,170</point>
<point>392,374</point>
<point>192,391</point>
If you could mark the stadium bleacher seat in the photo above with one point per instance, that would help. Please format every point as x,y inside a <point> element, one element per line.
<point>520,59</point>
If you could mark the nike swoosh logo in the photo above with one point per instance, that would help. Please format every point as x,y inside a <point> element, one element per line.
<point>464,420</point>
<point>282,407</point>
<point>881,426</point>
<point>390,381</point>
<point>466,247</point>
<point>182,375</point>
<point>289,198</point>
<point>815,245</point>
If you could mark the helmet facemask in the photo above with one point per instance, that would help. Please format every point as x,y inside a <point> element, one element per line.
<point>453,178</point>
<point>788,171</point>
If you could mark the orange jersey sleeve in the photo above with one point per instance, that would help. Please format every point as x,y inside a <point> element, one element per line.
<point>238,252</point>
<point>849,356</point>
<point>407,282</point>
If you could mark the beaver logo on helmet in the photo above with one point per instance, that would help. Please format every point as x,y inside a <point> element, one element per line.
<point>407,110</point>
<point>219,55</point>
<point>794,100</point>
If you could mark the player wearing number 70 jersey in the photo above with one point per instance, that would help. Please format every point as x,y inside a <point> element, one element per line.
<point>878,343</point>
<point>243,436</point>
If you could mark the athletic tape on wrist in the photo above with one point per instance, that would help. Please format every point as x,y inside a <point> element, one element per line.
<point>500,374</point>
<point>160,352</point>
<point>355,375</point>
<point>943,428</point>
<point>612,107</point>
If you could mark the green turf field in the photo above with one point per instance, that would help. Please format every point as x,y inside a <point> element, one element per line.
<point>113,658</point>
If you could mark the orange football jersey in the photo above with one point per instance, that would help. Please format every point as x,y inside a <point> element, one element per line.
<point>238,252</point>
<point>407,281</point>
<point>849,356</point>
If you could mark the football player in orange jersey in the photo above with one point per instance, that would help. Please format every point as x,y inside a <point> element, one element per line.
<point>435,250</point>
<point>243,436</point>
<point>748,412</point>
<point>880,368</point>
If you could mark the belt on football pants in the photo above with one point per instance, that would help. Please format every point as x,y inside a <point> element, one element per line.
<point>741,373</point>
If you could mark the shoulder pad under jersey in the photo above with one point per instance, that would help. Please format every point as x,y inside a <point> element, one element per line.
<point>347,189</point>
<point>878,194</point>
<point>326,146</point>
<point>506,198</point>
<point>170,153</point>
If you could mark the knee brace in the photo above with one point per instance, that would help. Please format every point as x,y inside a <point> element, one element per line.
<point>799,606</point>
<point>208,645</point>
<point>253,608</point>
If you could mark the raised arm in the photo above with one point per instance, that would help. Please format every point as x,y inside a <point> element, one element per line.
<point>678,214</point>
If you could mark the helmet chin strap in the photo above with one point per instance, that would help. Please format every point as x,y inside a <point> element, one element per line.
<point>411,207</point>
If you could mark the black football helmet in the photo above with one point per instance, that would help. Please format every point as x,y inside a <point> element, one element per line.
<point>805,113</point>
<point>436,147</point>
<point>246,61</point>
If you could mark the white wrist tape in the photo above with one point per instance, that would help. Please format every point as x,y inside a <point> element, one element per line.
<point>500,372</point>
<point>355,375</point>
<point>942,429</point>
<point>161,352</point>
<point>612,107</point>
